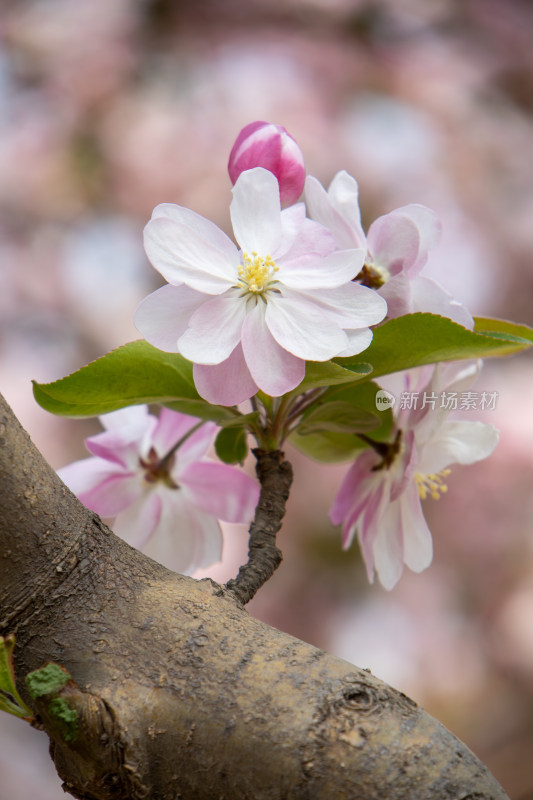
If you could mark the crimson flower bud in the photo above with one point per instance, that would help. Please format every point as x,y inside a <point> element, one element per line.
<point>263,144</point>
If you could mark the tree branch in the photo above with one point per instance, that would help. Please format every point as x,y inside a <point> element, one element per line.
<point>176,691</point>
<point>264,557</point>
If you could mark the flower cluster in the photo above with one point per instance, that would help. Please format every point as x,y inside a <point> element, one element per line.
<point>302,282</point>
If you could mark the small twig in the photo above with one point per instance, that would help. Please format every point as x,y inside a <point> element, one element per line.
<point>264,557</point>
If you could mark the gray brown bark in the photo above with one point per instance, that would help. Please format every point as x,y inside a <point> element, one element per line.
<point>179,693</point>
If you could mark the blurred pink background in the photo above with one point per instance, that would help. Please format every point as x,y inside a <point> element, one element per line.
<point>108,108</point>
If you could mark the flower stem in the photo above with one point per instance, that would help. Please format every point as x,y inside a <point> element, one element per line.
<point>264,557</point>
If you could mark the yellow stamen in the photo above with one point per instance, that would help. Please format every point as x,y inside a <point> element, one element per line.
<point>256,272</point>
<point>432,485</point>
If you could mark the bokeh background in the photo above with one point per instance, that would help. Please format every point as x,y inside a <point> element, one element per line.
<point>108,108</point>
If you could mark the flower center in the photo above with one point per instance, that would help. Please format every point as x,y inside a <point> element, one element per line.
<point>432,484</point>
<point>158,469</point>
<point>256,273</point>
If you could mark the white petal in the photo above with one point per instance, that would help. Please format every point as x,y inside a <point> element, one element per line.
<point>302,328</point>
<point>388,550</point>
<point>427,295</point>
<point>256,212</point>
<point>206,230</point>
<point>228,383</point>
<point>338,211</point>
<point>457,443</point>
<point>274,369</point>
<point>185,537</point>
<point>214,330</point>
<point>417,541</point>
<point>333,270</point>
<point>182,255</point>
<point>163,316</point>
<point>137,523</point>
<point>358,341</point>
<point>352,305</point>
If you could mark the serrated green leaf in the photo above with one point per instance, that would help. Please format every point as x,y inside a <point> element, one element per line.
<point>327,447</point>
<point>502,328</point>
<point>231,445</point>
<point>133,374</point>
<point>416,339</point>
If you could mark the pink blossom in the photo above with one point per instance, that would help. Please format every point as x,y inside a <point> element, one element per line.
<point>397,248</point>
<point>249,319</point>
<point>263,144</point>
<point>166,503</point>
<point>380,498</point>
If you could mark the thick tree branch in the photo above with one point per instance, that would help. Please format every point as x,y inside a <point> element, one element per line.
<point>264,557</point>
<point>177,692</point>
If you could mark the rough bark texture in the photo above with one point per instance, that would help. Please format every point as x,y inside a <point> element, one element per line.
<point>179,693</point>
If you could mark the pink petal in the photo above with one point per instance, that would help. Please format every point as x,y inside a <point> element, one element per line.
<point>274,369</point>
<point>348,494</point>
<point>194,448</point>
<point>228,383</point>
<point>171,427</point>
<point>115,493</point>
<point>163,316</point>
<point>394,242</point>
<point>221,490</point>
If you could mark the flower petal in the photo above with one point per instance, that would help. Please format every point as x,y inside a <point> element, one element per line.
<point>163,316</point>
<point>256,212</point>
<point>303,328</point>
<point>115,493</point>
<point>172,426</point>
<point>274,369</point>
<point>214,330</point>
<point>352,305</point>
<point>185,538</point>
<point>394,242</point>
<point>182,254</point>
<point>337,210</point>
<point>225,492</point>
<point>417,541</point>
<point>128,430</point>
<point>388,546</point>
<point>138,522</point>
<point>194,448</point>
<point>457,443</point>
<point>227,383</point>
<point>333,270</point>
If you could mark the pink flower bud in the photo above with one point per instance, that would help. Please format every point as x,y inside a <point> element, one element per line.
<point>263,144</point>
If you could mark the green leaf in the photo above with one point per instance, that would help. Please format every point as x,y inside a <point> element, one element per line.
<point>327,373</point>
<point>332,446</point>
<point>133,374</point>
<point>339,417</point>
<point>10,700</point>
<point>501,328</point>
<point>416,339</point>
<point>231,445</point>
